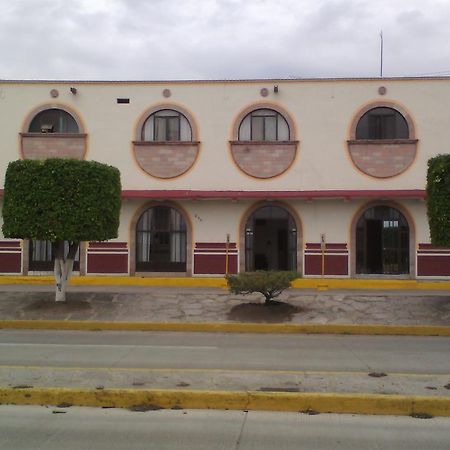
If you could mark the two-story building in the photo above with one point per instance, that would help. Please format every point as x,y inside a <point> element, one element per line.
<point>323,176</point>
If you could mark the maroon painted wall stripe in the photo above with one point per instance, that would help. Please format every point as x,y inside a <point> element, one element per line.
<point>186,193</point>
<point>334,265</point>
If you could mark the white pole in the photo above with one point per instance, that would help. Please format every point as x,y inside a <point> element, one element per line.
<point>381,53</point>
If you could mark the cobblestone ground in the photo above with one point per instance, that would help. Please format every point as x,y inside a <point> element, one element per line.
<point>217,305</point>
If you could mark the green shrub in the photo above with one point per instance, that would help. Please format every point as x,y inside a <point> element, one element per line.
<point>268,283</point>
<point>61,199</point>
<point>438,199</point>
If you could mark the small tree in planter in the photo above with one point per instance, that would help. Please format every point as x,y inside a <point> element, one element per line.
<point>63,201</point>
<point>268,283</point>
<point>438,199</point>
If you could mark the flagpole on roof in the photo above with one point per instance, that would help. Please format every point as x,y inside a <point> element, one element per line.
<point>381,53</point>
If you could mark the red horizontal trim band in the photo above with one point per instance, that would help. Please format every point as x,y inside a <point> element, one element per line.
<point>215,252</point>
<point>192,194</point>
<point>107,245</point>
<point>432,247</point>
<point>329,246</point>
<point>431,254</point>
<point>10,244</point>
<point>326,252</point>
<point>114,251</point>
<point>214,245</point>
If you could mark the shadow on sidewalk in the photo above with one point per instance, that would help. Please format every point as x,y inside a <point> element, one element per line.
<point>274,312</point>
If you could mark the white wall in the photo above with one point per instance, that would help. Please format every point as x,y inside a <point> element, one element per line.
<point>322,110</point>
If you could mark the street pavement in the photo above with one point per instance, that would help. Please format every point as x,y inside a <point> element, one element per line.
<point>36,427</point>
<point>184,304</point>
<point>408,366</point>
<point>392,365</point>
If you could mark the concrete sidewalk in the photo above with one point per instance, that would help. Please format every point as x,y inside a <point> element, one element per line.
<point>216,305</point>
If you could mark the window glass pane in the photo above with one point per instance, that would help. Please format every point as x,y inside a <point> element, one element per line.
<point>257,131</point>
<point>147,130</point>
<point>283,129</point>
<point>173,128</point>
<point>160,128</point>
<point>270,128</point>
<point>185,129</point>
<point>244,129</point>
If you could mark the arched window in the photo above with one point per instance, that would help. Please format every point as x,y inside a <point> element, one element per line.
<point>382,242</point>
<point>263,125</point>
<point>166,125</point>
<point>161,241</point>
<point>53,120</point>
<point>382,123</point>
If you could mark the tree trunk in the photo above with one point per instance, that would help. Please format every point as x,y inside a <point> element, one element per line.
<point>63,267</point>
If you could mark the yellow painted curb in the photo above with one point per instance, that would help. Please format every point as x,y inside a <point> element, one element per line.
<point>301,283</point>
<point>224,327</point>
<point>258,401</point>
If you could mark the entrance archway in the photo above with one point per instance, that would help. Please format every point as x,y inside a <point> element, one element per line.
<point>270,240</point>
<point>161,240</point>
<point>382,242</point>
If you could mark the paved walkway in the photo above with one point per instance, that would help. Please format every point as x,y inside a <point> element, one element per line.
<point>156,304</point>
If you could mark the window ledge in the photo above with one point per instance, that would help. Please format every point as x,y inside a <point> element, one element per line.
<point>53,135</point>
<point>159,143</point>
<point>382,141</point>
<point>272,143</point>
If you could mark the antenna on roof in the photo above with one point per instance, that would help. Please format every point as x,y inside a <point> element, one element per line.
<point>381,53</point>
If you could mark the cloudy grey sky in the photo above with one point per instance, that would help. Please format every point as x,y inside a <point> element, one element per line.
<point>221,39</point>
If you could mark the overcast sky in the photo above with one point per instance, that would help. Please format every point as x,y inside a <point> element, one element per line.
<point>222,39</point>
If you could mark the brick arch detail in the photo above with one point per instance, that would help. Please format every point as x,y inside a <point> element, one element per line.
<point>382,158</point>
<point>166,160</point>
<point>264,159</point>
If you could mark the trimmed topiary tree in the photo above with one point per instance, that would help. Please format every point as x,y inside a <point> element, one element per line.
<point>64,201</point>
<point>268,283</point>
<point>438,199</point>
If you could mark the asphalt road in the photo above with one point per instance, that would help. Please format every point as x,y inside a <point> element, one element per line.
<point>36,427</point>
<point>395,354</point>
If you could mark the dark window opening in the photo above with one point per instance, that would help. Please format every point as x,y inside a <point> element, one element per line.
<point>382,123</point>
<point>161,241</point>
<point>382,242</point>
<point>53,121</point>
<point>41,257</point>
<point>270,240</point>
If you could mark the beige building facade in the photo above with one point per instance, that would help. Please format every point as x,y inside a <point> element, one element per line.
<point>326,177</point>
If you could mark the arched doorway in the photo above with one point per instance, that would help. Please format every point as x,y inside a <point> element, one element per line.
<point>382,242</point>
<point>270,240</point>
<point>161,240</point>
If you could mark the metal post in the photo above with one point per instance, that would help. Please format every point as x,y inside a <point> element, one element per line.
<point>227,245</point>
